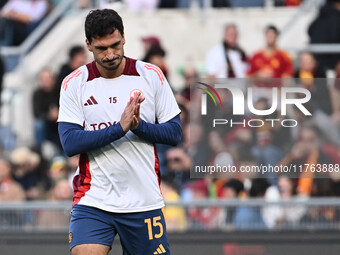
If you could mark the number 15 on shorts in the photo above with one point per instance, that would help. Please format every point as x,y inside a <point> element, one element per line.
<point>153,223</point>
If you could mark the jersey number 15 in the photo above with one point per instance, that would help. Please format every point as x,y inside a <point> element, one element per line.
<point>113,100</point>
<point>156,223</point>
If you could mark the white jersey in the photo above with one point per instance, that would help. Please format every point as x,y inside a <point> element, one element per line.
<point>124,175</point>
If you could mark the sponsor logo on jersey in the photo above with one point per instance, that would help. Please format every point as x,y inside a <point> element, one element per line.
<point>160,250</point>
<point>101,125</point>
<point>91,101</point>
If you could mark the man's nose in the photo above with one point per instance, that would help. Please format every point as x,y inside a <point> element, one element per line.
<point>110,54</point>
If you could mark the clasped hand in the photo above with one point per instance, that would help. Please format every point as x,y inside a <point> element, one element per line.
<point>131,116</point>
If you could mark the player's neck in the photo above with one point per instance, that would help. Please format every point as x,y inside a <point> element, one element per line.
<point>110,74</point>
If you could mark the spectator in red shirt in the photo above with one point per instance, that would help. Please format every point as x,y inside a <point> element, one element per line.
<point>271,62</point>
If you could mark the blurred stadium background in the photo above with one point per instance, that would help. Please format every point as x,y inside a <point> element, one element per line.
<point>276,215</point>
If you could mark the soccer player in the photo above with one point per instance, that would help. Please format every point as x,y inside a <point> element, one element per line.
<point>112,112</point>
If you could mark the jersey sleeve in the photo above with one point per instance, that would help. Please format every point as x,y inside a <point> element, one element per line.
<point>165,102</point>
<point>70,109</point>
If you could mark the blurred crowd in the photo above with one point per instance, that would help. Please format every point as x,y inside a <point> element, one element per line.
<point>43,172</point>
<point>18,18</point>
<point>156,4</point>
<point>315,140</point>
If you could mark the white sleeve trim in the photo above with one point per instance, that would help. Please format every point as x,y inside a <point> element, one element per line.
<point>169,117</point>
<point>70,121</point>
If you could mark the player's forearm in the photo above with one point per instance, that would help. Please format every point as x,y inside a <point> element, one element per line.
<point>166,133</point>
<point>75,140</point>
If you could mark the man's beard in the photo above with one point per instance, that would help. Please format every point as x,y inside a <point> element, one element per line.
<point>110,68</point>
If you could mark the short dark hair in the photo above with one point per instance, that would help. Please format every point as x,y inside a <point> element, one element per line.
<point>99,23</point>
<point>273,28</point>
<point>258,187</point>
<point>234,184</point>
<point>75,50</point>
<point>155,50</point>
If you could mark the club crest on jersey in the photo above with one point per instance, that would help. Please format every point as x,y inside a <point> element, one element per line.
<point>135,92</point>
